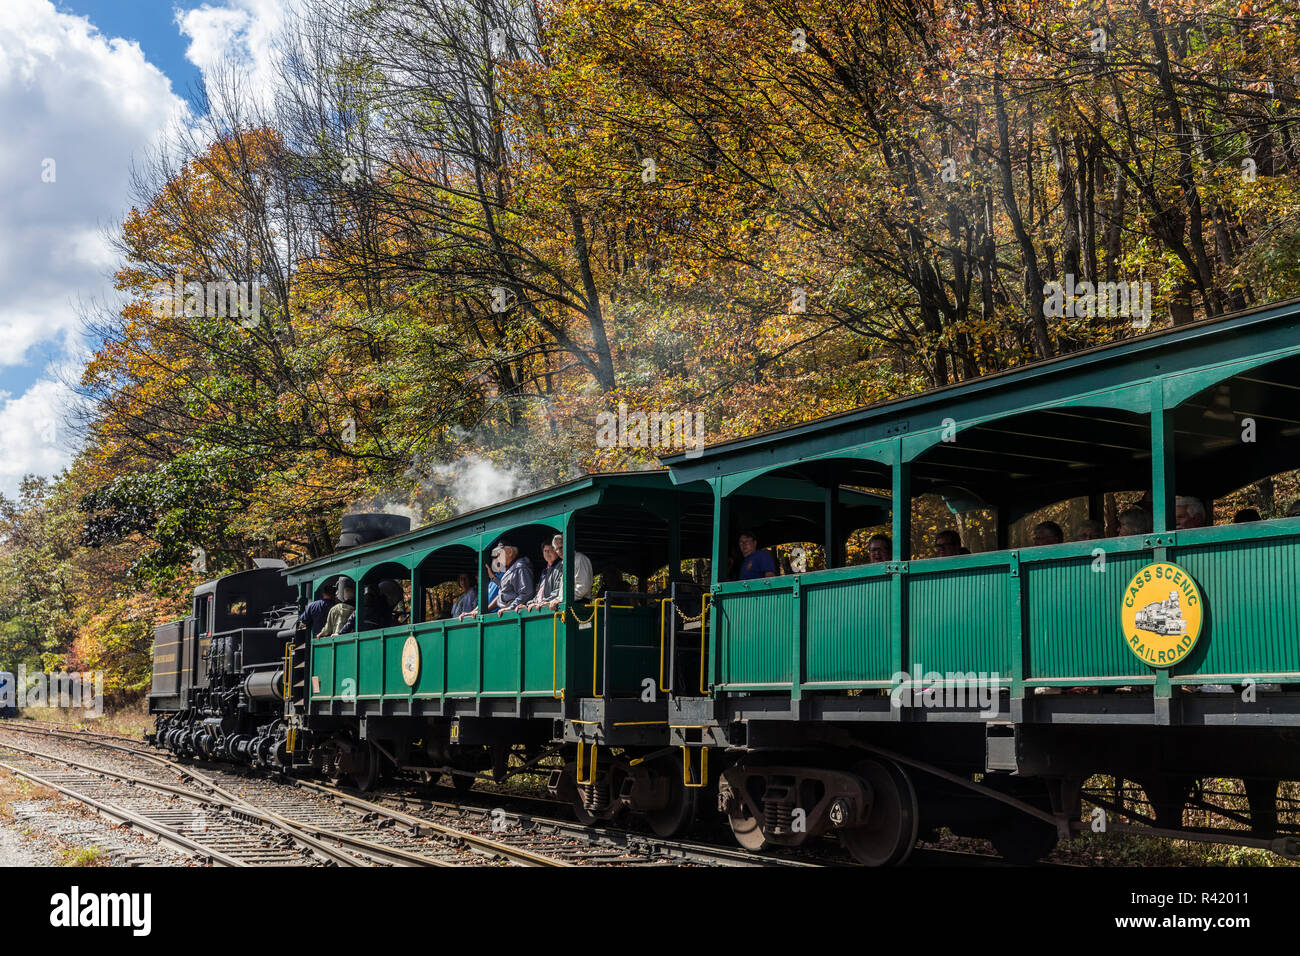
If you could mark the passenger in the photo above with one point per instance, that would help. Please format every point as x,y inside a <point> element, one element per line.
<point>467,601</point>
<point>754,563</point>
<point>376,612</point>
<point>1047,532</point>
<point>1189,512</point>
<point>1089,531</point>
<point>1134,521</point>
<point>880,548</point>
<point>582,574</point>
<point>314,617</point>
<point>947,544</point>
<point>549,581</point>
<point>340,615</point>
<point>1244,515</point>
<point>517,584</point>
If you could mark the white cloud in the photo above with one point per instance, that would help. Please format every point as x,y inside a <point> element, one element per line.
<point>92,104</point>
<point>89,104</point>
<point>34,433</point>
<point>76,108</point>
<point>238,33</point>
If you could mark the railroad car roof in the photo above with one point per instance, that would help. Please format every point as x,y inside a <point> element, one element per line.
<point>480,518</point>
<point>1202,344</point>
<point>579,493</point>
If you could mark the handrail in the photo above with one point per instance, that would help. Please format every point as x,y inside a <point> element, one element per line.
<point>595,641</point>
<point>555,637</point>
<point>288,675</point>
<point>686,768</point>
<point>592,770</point>
<point>704,631</point>
<point>662,620</point>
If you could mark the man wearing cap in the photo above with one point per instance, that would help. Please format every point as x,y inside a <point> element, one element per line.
<point>313,619</point>
<point>517,584</point>
<point>340,614</point>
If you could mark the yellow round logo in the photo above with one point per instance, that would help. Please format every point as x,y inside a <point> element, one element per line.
<point>1162,614</point>
<point>411,661</point>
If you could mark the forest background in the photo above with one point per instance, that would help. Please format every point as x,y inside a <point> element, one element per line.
<point>475,226</point>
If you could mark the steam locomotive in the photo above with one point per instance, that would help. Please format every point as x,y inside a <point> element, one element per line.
<point>1162,617</point>
<point>222,673</point>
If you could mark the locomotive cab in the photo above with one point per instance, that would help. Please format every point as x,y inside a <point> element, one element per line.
<point>218,673</point>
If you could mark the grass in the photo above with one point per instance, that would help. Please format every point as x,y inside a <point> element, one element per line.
<point>1116,849</point>
<point>130,719</point>
<point>83,856</point>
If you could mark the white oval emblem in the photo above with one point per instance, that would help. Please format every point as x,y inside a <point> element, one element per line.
<point>411,661</point>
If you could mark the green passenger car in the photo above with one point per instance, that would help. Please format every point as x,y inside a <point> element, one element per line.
<point>973,600</point>
<point>1159,654</point>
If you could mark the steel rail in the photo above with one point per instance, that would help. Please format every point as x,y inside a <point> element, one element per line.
<point>165,835</point>
<point>313,834</point>
<point>528,857</point>
<point>316,837</point>
<point>615,838</point>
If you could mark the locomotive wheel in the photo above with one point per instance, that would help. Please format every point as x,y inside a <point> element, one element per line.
<point>461,784</point>
<point>677,815</point>
<point>891,829</point>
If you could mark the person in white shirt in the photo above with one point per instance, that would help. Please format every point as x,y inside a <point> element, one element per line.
<point>582,574</point>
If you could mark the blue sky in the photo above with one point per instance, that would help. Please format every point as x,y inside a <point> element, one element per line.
<point>87,88</point>
<point>152,24</point>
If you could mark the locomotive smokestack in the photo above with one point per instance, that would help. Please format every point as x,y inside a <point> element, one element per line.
<point>364,528</point>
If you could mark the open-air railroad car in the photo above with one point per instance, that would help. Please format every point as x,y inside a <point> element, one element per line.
<point>878,701</point>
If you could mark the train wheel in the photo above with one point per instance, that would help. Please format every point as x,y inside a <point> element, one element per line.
<point>677,815</point>
<point>747,829</point>
<point>890,832</point>
<point>366,777</point>
<point>461,783</point>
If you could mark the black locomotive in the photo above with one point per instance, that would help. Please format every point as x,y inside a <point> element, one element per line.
<point>222,674</point>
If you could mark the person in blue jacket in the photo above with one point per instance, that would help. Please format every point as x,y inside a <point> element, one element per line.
<point>753,562</point>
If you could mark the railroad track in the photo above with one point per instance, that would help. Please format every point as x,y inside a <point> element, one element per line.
<point>228,819</point>
<point>595,841</point>
<point>376,828</point>
<point>491,829</point>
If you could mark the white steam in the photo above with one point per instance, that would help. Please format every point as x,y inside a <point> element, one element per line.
<point>473,482</point>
